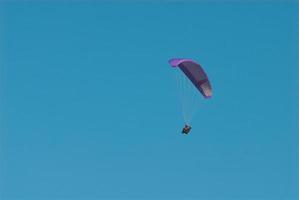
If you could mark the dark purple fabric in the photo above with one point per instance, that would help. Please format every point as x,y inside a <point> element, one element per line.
<point>196,75</point>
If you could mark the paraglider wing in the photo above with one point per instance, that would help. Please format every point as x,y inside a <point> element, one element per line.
<point>195,73</point>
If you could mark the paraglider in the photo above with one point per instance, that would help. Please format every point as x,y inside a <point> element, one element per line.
<point>191,79</point>
<point>186,129</point>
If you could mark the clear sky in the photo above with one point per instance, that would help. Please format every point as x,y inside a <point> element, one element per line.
<point>89,106</point>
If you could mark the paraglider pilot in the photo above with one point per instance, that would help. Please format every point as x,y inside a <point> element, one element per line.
<point>186,129</point>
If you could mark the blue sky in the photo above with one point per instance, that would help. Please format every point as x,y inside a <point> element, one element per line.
<point>89,106</point>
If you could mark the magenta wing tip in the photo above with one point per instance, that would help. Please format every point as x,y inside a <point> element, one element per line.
<point>174,62</point>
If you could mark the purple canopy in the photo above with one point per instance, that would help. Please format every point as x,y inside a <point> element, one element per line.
<point>195,73</point>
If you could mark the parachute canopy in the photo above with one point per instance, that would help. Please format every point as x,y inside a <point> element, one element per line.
<point>195,74</point>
